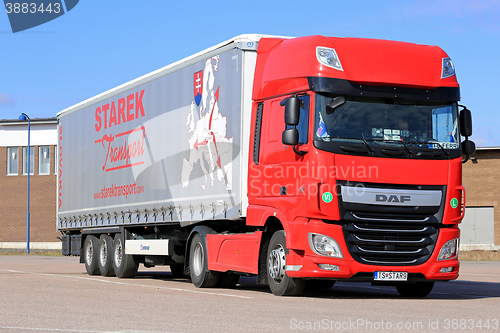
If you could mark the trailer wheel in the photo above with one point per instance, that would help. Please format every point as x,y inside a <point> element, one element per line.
<point>198,267</point>
<point>106,255</point>
<point>91,255</point>
<point>124,265</point>
<point>419,289</point>
<point>279,282</point>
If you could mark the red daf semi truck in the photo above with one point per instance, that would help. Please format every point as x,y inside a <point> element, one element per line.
<point>302,161</point>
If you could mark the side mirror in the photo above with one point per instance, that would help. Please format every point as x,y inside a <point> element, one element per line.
<point>292,116</point>
<point>466,122</point>
<point>290,136</point>
<point>335,103</point>
<point>292,111</point>
<point>468,148</point>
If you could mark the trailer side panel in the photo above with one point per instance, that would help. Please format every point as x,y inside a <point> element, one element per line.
<point>167,150</point>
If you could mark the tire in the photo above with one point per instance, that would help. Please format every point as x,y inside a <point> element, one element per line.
<point>316,285</point>
<point>228,280</point>
<point>419,289</point>
<point>177,270</point>
<point>106,256</point>
<point>198,267</point>
<point>279,282</point>
<point>124,265</point>
<point>91,251</point>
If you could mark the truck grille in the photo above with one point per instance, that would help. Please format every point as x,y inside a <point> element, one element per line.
<point>377,243</point>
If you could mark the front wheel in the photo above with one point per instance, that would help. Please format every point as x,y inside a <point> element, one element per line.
<point>419,289</point>
<point>279,282</point>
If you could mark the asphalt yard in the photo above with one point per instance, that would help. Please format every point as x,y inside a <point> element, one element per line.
<point>54,294</point>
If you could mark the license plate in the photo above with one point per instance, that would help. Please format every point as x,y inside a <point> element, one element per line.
<point>391,276</point>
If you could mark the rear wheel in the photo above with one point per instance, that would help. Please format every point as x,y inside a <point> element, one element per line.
<point>91,255</point>
<point>106,256</point>
<point>419,289</point>
<point>198,267</point>
<point>124,265</point>
<point>279,282</point>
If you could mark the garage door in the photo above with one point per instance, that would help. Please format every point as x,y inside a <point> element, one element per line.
<point>477,226</point>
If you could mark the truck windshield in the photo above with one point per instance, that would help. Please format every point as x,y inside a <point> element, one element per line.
<point>377,122</point>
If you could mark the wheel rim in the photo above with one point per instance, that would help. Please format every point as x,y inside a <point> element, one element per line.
<point>104,253</point>
<point>90,252</point>
<point>118,253</point>
<point>198,259</point>
<point>276,263</point>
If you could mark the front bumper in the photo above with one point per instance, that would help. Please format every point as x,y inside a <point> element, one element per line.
<point>304,263</point>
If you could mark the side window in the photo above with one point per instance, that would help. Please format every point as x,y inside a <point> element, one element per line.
<point>44,160</point>
<point>444,125</point>
<point>303,126</point>
<point>258,127</point>
<point>12,160</point>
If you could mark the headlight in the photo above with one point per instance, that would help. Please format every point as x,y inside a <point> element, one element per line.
<point>449,250</point>
<point>328,57</point>
<point>324,245</point>
<point>448,68</point>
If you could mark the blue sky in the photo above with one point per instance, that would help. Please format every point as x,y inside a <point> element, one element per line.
<point>101,44</point>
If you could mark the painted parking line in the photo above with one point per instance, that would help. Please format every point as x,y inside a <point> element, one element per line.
<point>70,330</point>
<point>129,284</point>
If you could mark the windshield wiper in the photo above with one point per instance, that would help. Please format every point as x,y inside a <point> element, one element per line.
<point>366,144</point>
<point>430,143</point>
<point>401,142</point>
<point>362,140</point>
<point>442,148</point>
<point>406,148</point>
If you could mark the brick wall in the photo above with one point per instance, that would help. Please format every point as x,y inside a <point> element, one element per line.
<point>13,202</point>
<point>481,181</point>
<point>482,184</point>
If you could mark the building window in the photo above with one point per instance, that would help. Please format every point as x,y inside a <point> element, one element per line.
<point>25,160</point>
<point>13,161</point>
<point>44,160</point>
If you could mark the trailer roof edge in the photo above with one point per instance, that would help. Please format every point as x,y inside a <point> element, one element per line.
<point>228,44</point>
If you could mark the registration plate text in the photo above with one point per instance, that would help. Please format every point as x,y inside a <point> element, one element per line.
<point>391,276</point>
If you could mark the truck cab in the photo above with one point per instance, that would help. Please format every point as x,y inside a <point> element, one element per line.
<point>357,147</point>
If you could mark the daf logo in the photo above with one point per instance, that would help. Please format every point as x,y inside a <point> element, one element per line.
<point>392,198</point>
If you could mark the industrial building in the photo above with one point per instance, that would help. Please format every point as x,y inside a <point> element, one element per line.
<point>481,179</point>
<point>13,182</point>
<point>480,228</point>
